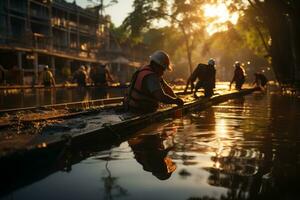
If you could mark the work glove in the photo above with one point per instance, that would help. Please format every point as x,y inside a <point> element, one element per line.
<point>179,101</point>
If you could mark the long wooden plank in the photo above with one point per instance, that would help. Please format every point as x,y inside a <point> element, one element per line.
<point>70,85</point>
<point>90,106</point>
<point>72,105</point>
<point>130,125</point>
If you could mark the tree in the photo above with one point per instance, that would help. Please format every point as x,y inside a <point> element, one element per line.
<point>184,15</point>
<point>279,20</point>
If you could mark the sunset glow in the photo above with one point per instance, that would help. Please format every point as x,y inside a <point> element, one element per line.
<point>217,16</point>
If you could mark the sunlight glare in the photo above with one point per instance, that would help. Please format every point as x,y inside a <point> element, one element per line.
<point>219,14</point>
<point>221,128</point>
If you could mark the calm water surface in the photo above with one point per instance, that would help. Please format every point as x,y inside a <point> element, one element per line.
<point>19,98</point>
<point>246,148</point>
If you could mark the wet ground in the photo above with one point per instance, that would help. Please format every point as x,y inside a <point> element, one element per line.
<point>243,149</point>
<point>20,98</point>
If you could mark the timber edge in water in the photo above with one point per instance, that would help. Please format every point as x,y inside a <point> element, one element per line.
<point>31,163</point>
<point>35,132</point>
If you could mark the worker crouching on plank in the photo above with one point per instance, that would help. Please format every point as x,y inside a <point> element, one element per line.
<point>148,88</point>
<point>206,75</point>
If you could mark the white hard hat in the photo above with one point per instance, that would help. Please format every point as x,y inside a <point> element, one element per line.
<point>82,67</point>
<point>161,58</point>
<point>46,67</point>
<point>211,61</point>
<point>237,64</point>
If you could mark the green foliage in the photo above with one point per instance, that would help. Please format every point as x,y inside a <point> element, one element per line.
<point>187,16</point>
<point>253,32</point>
<point>275,26</point>
<point>119,33</point>
<point>140,18</point>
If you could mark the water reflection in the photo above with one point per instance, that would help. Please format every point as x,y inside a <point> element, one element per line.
<point>17,98</point>
<point>111,186</point>
<point>243,149</point>
<point>151,151</point>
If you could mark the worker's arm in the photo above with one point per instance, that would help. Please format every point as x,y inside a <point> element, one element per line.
<point>165,98</point>
<point>52,80</point>
<point>191,80</point>
<point>108,75</point>
<point>155,87</point>
<point>187,84</point>
<point>167,89</point>
<point>233,79</point>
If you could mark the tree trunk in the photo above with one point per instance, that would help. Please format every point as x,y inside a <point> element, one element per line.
<point>188,49</point>
<point>295,15</point>
<point>281,50</point>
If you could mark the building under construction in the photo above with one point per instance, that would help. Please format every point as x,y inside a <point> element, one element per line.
<point>62,35</point>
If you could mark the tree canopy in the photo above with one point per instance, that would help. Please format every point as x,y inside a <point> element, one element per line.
<point>268,29</point>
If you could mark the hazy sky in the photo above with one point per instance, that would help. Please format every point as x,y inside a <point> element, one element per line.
<point>118,12</point>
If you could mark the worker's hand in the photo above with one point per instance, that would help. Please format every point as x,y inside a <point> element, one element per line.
<point>185,90</point>
<point>179,101</point>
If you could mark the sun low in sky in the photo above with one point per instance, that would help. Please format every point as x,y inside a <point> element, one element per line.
<point>218,15</point>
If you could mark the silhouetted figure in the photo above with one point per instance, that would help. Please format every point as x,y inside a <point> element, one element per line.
<point>80,76</point>
<point>260,80</point>
<point>3,72</point>
<point>151,152</point>
<point>47,77</point>
<point>206,75</point>
<point>238,77</point>
<point>100,75</point>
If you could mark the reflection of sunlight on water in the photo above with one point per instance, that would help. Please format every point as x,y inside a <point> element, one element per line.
<point>222,85</point>
<point>227,152</point>
<point>86,97</point>
<point>221,128</point>
<point>221,131</point>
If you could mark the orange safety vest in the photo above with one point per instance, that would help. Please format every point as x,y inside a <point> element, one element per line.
<point>138,99</point>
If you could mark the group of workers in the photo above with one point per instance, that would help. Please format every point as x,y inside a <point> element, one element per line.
<point>239,78</point>
<point>99,76</point>
<point>148,87</point>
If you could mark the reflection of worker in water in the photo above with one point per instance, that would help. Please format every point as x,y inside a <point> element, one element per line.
<point>151,151</point>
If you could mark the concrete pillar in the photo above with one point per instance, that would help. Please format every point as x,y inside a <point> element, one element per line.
<point>9,32</point>
<point>52,65</point>
<point>78,37</point>
<point>50,40</point>
<point>36,68</point>
<point>20,63</point>
<point>69,31</point>
<point>20,66</point>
